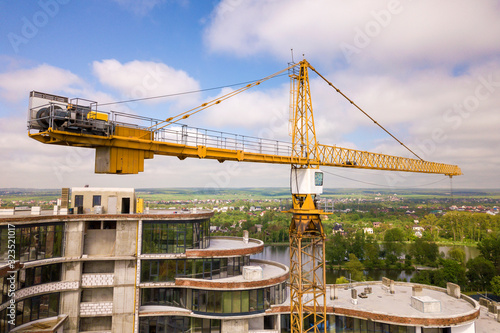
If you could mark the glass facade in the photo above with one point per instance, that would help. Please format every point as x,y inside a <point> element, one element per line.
<point>216,301</point>
<point>175,236</point>
<point>166,270</point>
<point>178,324</point>
<point>31,277</point>
<point>35,242</point>
<point>343,324</point>
<point>30,309</point>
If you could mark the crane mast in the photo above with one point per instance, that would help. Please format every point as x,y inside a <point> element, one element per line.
<point>307,237</point>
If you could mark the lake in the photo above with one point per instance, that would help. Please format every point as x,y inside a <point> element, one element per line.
<point>281,254</point>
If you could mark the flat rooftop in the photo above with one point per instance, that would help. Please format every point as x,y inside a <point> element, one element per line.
<point>382,306</point>
<point>25,215</point>
<point>230,243</point>
<point>399,304</point>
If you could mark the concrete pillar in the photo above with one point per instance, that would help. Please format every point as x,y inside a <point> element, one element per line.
<point>36,210</point>
<point>70,305</point>
<point>391,287</point>
<point>453,289</point>
<point>416,291</point>
<point>354,296</point>
<point>74,239</point>
<point>252,273</point>
<point>333,292</point>
<point>126,233</point>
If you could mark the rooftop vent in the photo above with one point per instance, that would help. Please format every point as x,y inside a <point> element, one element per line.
<point>253,273</point>
<point>426,304</point>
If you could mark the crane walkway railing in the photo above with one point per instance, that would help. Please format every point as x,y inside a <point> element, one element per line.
<point>194,136</point>
<point>175,133</point>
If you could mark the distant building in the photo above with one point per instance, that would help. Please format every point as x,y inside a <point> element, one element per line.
<point>368,231</point>
<point>338,228</point>
<point>418,231</point>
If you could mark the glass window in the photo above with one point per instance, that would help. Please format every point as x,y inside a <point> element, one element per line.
<point>78,201</point>
<point>236,301</point>
<point>19,313</point>
<point>253,300</point>
<point>202,300</point>
<point>211,301</point>
<point>245,304</point>
<point>96,200</point>
<point>27,310</point>
<point>226,302</point>
<point>196,300</point>
<point>218,302</point>
<point>164,271</point>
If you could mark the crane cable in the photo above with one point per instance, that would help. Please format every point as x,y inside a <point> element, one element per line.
<point>382,185</point>
<point>176,94</point>
<point>366,114</point>
<point>188,113</point>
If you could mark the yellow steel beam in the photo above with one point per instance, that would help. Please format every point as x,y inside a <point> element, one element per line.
<point>327,155</point>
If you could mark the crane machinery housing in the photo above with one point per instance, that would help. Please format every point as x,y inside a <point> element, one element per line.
<point>123,141</point>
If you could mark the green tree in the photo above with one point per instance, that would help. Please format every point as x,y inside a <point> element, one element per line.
<point>450,271</point>
<point>336,249</point>
<point>356,245</point>
<point>458,255</point>
<point>423,277</point>
<point>355,267</point>
<point>495,285</point>
<point>425,253</point>
<point>372,253</point>
<point>393,245</point>
<point>490,249</point>
<point>480,271</point>
<point>341,280</point>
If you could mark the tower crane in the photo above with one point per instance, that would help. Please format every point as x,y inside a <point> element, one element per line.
<point>123,141</point>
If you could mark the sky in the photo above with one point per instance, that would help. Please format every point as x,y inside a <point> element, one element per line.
<point>428,71</point>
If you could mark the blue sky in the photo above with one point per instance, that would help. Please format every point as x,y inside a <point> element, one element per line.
<point>427,71</point>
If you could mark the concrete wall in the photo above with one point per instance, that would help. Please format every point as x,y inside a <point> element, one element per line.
<point>234,326</point>
<point>123,309</point>
<point>256,323</point>
<point>73,238</point>
<point>92,267</point>
<point>100,242</point>
<point>468,328</point>
<point>95,324</point>
<point>118,193</point>
<point>126,234</point>
<point>125,273</point>
<point>70,301</point>
<point>97,295</point>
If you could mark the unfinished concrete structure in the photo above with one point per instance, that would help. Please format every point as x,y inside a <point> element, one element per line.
<point>110,269</point>
<point>103,267</point>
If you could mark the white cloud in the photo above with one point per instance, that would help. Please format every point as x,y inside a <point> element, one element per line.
<point>16,85</point>
<point>372,34</point>
<point>139,79</point>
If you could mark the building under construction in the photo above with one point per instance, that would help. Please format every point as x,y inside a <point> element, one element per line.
<point>103,263</point>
